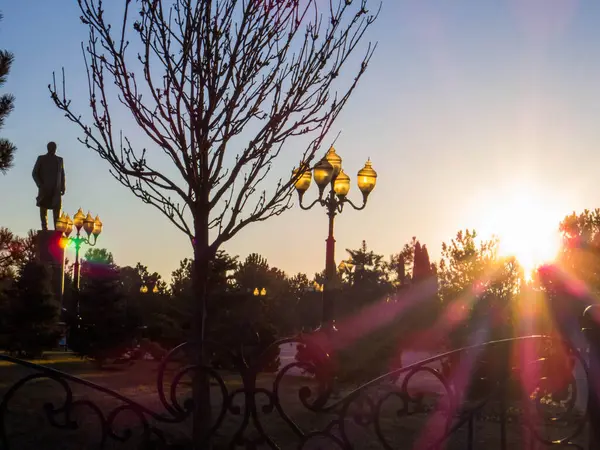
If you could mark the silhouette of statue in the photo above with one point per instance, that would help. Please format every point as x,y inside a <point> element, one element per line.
<point>49,176</point>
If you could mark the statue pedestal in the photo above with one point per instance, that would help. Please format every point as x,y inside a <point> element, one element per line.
<point>50,253</point>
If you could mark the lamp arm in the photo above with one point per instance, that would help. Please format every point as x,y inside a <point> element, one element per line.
<point>358,208</point>
<point>89,242</point>
<point>306,208</point>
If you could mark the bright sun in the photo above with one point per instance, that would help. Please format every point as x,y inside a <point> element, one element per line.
<point>527,227</point>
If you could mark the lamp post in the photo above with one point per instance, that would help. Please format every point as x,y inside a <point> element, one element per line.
<point>329,172</point>
<point>92,227</point>
<point>144,289</point>
<point>259,292</point>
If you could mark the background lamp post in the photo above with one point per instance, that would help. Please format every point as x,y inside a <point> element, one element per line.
<point>329,173</point>
<point>92,227</point>
<point>144,289</point>
<point>262,292</point>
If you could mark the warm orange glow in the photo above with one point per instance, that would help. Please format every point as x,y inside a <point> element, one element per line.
<point>97,227</point>
<point>69,228</point>
<point>335,160</point>
<point>303,182</point>
<point>323,173</point>
<point>63,242</point>
<point>526,225</point>
<point>367,177</point>
<point>341,184</point>
<point>88,224</point>
<point>61,223</point>
<point>78,219</point>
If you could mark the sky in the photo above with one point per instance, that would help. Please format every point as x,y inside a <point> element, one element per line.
<point>466,105</point>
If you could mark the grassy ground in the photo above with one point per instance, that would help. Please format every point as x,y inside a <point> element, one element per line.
<point>28,427</point>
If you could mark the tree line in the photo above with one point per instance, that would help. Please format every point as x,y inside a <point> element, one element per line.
<point>383,305</point>
<point>265,300</point>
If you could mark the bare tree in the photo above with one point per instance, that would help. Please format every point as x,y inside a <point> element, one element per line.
<point>219,87</point>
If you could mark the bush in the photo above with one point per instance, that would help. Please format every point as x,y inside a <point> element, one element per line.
<point>153,348</point>
<point>31,313</point>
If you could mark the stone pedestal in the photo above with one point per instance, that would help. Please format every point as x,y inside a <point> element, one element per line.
<point>50,252</point>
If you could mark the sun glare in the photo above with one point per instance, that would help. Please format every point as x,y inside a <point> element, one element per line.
<point>526,226</point>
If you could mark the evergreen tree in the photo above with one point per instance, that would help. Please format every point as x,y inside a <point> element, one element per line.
<point>417,274</point>
<point>99,256</point>
<point>422,268</point>
<point>105,328</point>
<point>7,149</point>
<point>252,273</point>
<point>426,260</point>
<point>401,270</point>
<point>160,318</point>
<point>32,315</point>
<point>182,299</point>
<point>400,264</point>
<point>11,255</point>
<point>220,274</point>
<point>365,268</point>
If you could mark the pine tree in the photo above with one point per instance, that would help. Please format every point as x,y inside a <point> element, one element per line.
<point>7,149</point>
<point>418,263</point>
<point>427,269</point>
<point>401,270</point>
<point>422,267</point>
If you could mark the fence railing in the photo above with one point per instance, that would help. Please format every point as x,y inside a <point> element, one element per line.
<point>529,391</point>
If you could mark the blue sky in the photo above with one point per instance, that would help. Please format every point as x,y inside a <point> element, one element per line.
<point>464,103</point>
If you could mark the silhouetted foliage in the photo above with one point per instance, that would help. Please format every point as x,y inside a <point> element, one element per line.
<point>364,268</point>
<point>479,293</point>
<point>573,281</point>
<point>401,264</point>
<point>31,313</point>
<point>422,268</point>
<point>9,253</point>
<point>580,250</point>
<point>7,148</point>
<point>99,256</point>
<point>105,327</point>
<point>15,251</point>
<point>4,310</point>
<point>131,279</point>
<point>476,287</point>
<point>391,307</point>
<point>365,280</point>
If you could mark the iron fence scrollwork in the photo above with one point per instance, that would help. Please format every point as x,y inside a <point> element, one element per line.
<point>536,384</point>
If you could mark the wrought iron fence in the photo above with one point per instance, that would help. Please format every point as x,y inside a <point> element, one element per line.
<point>532,390</point>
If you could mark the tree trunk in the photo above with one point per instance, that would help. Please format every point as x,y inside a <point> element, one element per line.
<point>200,381</point>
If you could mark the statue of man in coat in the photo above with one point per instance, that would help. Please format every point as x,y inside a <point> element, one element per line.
<point>49,176</point>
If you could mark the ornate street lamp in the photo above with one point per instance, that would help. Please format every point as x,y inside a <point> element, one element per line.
<point>329,172</point>
<point>92,227</point>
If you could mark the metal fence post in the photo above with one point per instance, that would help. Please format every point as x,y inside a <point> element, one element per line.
<point>591,329</point>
